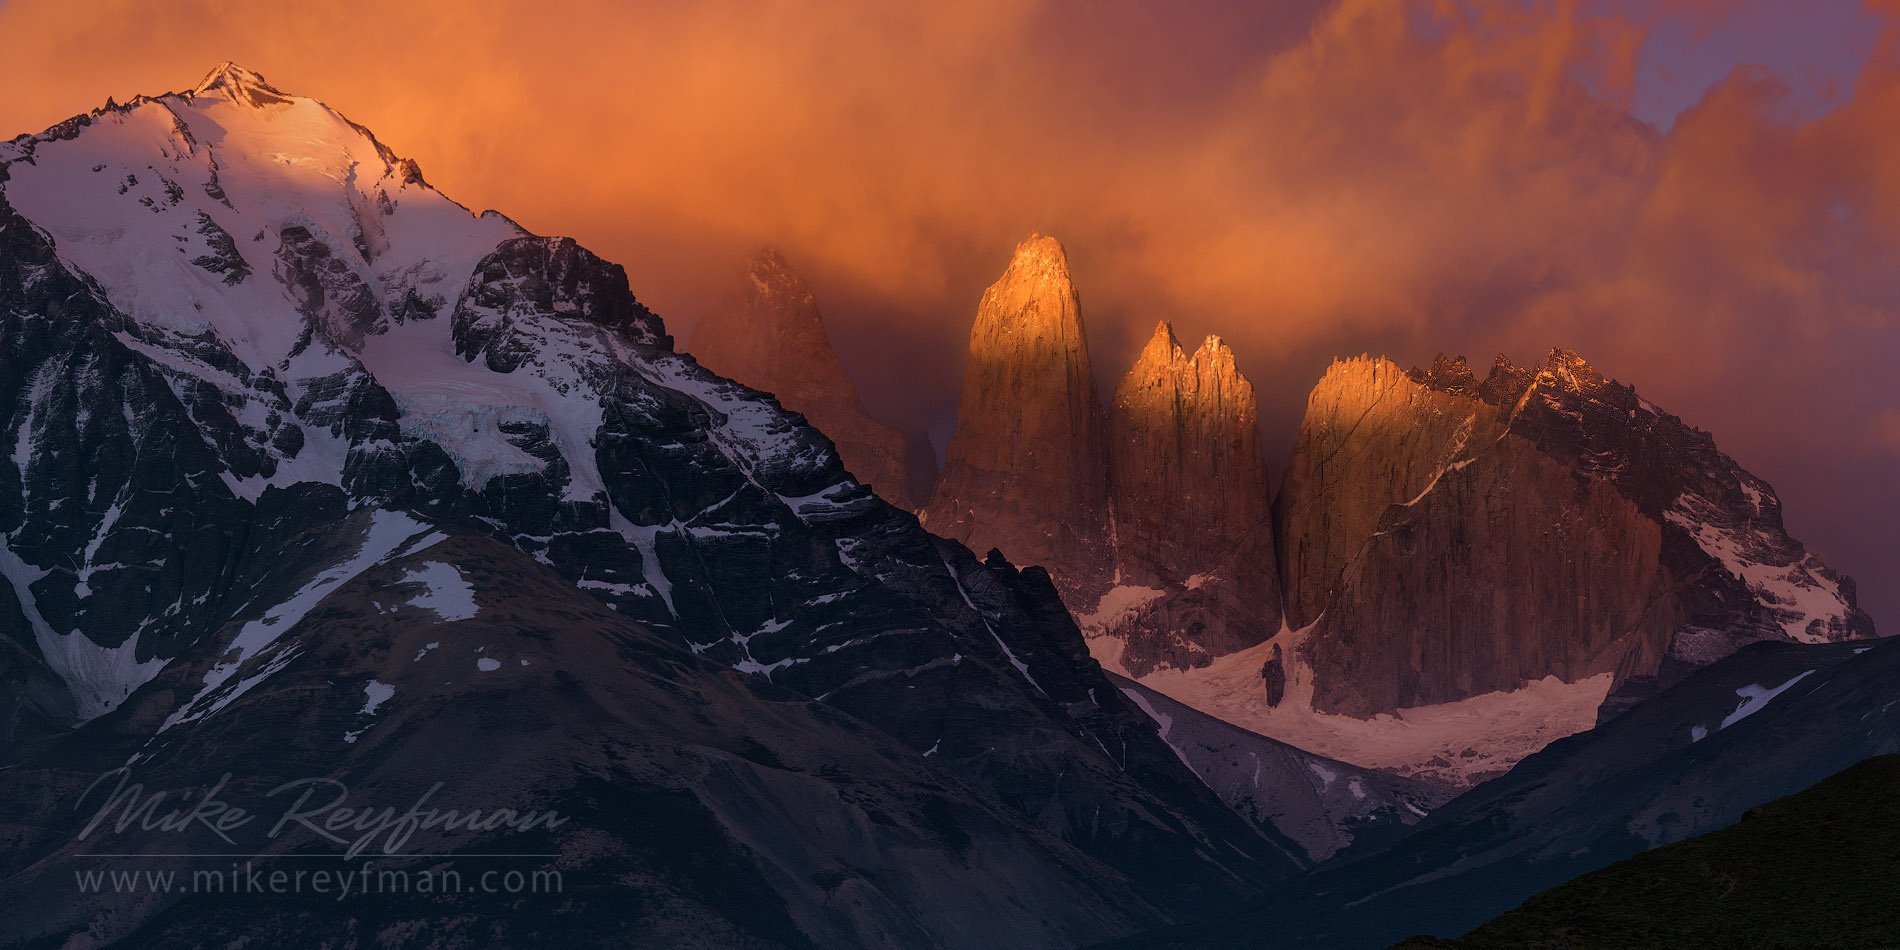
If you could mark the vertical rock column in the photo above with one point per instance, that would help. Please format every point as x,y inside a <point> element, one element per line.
<point>1192,508</point>
<point>1027,470</point>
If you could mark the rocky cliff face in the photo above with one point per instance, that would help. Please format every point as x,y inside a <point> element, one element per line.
<point>1026,471</point>
<point>1188,486</point>
<point>767,333</point>
<point>1152,515</point>
<point>1448,536</point>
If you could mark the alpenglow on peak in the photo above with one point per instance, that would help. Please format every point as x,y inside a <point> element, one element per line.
<point>240,85</point>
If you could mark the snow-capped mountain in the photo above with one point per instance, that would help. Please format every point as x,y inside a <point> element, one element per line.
<point>240,333</point>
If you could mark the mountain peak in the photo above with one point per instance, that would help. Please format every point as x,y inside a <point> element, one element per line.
<point>1570,370</point>
<point>239,85</point>
<point>1161,347</point>
<point>1448,374</point>
<point>1034,300</point>
<point>772,275</point>
<point>1041,254</point>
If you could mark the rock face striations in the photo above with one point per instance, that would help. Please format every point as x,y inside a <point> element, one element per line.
<point>1026,471</point>
<point>1447,536</point>
<point>1152,514</point>
<point>1188,488</point>
<point>768,334</point>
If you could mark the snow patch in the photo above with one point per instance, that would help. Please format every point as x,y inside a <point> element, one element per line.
<point>445,591</point>
<point>1756,697</point>
<point>376,695</point>
<point>1796,592</point>
<point>1459,743</point>
<point>99,677</point>
<point>389,534</point>
<point>1118,604</point>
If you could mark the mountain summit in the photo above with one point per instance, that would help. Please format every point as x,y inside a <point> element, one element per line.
<point>240,85</point>
<point>767,332</point>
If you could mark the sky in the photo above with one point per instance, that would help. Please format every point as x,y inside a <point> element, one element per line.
<point>1699,196</point>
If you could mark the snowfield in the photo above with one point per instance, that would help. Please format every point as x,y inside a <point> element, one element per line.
<point>1459,743</point>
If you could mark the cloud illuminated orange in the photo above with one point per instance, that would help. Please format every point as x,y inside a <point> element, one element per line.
<point>1310,179</point>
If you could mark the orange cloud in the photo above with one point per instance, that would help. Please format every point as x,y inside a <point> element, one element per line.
<point>1310,179</point>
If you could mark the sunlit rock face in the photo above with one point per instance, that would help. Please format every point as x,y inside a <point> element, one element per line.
<point>1152,513</point>
<point>1027,470</point>
<point>1191,503</point>
<point>768,333</point>
<point>1449,536</point>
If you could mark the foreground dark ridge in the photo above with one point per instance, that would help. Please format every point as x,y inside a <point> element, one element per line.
<point>1816,869</point>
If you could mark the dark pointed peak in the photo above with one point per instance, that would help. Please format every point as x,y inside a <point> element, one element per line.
<point>769,262</point>
<point>1505,382</point>
<point>1450,374</point>
<point>770,274</point>
<point>1563,357</point>
<point>1569,370</point>
<point>239,85</point>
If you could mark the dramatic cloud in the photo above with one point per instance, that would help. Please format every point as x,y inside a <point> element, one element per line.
<point>1312,179</point>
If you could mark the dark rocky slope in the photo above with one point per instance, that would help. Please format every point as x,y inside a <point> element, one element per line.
<point>1815,869</point>
<point>698,806</point>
